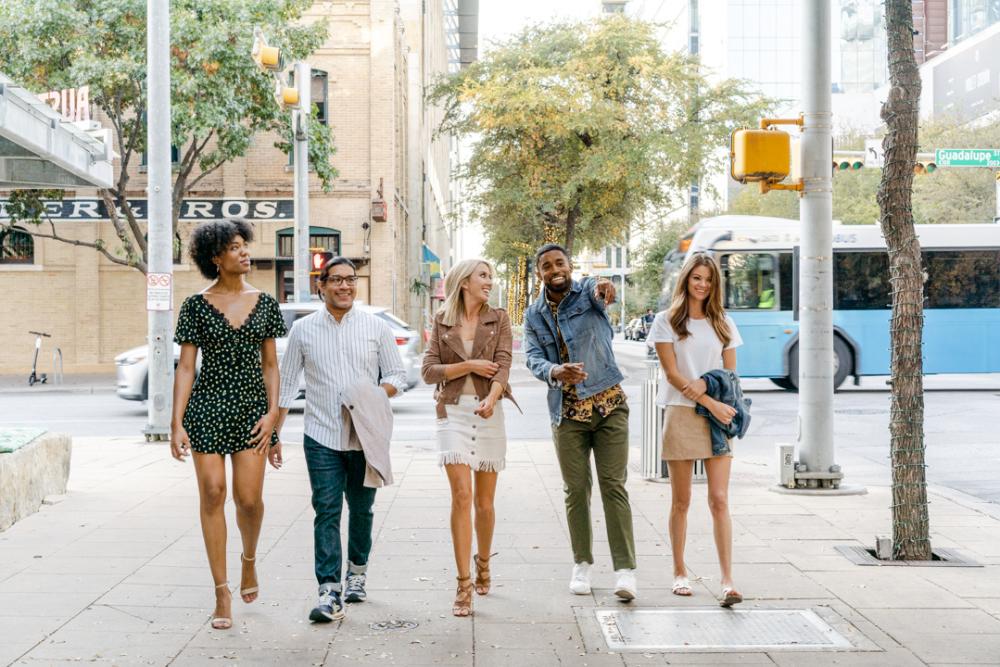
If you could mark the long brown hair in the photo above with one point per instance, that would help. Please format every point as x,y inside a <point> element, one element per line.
<point>678,314</point>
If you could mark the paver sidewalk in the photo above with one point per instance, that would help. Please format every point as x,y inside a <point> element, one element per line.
<point>115,573</point>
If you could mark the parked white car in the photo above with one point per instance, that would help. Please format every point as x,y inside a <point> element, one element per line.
<point>132,366</point>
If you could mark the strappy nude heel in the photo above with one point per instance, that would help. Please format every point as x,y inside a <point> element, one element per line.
<point>222,622</point>
<point>244,592</point>
<point>482,574</point>
<point>463,597</point>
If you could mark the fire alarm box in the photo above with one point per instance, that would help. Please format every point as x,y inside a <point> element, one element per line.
<point>379,211</point>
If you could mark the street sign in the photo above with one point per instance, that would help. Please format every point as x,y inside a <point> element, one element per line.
<point>874,155</point>
<point>968,157</point>
<point>159,291</point>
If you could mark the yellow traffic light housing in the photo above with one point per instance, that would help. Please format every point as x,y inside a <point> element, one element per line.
<point>268,58</point>
<point>763,155</point>
<point>286,96</point>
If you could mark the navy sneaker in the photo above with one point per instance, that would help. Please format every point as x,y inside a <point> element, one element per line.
<point>355,591</point>
<point>329,608</point>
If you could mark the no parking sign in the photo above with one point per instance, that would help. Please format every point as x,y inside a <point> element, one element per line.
<point>159,291</point>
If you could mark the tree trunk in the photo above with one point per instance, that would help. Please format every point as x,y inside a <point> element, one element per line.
<point>910,532</point>
<point>571,229</point>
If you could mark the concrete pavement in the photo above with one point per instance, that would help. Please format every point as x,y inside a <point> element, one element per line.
<point>115,573</point>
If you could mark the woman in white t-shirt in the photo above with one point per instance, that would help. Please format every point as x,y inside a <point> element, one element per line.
<point>692,337</point>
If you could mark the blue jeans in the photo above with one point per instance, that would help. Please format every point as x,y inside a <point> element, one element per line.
<point>334,475</point>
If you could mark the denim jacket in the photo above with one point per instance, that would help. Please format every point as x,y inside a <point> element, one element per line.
<point>586,329</point>
<point>724,385</point>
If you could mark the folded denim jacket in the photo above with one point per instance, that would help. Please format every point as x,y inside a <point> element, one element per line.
<point>724,385</point>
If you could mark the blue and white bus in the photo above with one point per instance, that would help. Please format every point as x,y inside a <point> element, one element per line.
<point>759,261</point>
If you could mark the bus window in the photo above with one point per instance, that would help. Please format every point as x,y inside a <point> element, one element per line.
<point>861,281</point>
<point>749,281</point>
<point>786,281</point>
<point>962,278</point>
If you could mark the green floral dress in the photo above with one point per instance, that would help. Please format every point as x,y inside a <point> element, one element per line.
<point>229,396</point>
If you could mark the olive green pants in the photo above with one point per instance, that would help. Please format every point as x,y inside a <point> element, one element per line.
<point>607,438</point>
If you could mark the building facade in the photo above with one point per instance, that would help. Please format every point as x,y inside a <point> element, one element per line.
<point>364,85</point>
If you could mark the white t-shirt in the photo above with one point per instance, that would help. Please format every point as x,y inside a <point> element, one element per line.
<point>697,354</point>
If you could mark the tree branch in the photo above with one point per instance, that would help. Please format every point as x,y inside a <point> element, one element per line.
<point>121,231</point>
<point>97,245</point>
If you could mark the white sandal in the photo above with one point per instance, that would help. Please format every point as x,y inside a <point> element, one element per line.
<point>681,584</point>
<point>730,596</point>
<point>222,622</point>
<point>244,592</point>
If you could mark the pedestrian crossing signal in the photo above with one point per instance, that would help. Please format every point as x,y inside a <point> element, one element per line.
<point>318,258</point>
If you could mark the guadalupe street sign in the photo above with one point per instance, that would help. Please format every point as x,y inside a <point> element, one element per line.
<point>968,157</point>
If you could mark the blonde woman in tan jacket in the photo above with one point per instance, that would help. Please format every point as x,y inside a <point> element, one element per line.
<point>468,358</point>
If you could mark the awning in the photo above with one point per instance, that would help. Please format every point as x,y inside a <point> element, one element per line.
<point>38,149</point>
<point>432,261</point>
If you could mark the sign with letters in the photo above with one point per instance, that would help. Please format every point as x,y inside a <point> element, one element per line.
<point>192,210</point>
<point>968,157</point>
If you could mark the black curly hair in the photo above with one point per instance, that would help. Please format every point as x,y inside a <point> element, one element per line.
<point>210,239</point>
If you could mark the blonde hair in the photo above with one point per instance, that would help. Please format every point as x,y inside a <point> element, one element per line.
<point>454,302</point>
<point>678,314</point>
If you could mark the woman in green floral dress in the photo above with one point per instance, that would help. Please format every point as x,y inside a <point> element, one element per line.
<point>232,406</point>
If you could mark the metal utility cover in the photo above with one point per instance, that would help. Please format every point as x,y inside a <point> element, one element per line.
<point>718,630</point>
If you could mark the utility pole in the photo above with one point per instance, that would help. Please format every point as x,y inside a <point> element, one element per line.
<point>159,279</point>
<point>816,452</point>
<point>300,125</point>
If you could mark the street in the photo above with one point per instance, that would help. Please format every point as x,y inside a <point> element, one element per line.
<point>963,451</point>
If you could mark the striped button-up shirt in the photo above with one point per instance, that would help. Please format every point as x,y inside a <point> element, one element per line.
<point>335,355</point>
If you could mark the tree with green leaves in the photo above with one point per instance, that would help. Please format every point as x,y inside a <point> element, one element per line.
<point>220,100</point>
<point>581,128</point>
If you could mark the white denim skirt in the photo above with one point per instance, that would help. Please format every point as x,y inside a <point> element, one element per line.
<point>466,438</point>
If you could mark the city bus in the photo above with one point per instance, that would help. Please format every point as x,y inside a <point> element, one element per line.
<point>759,261</point>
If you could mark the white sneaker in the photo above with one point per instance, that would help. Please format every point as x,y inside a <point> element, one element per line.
<point>625,586</point>
<point>579,584</point>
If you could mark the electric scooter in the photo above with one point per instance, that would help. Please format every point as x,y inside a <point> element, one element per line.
<point>34,377</point>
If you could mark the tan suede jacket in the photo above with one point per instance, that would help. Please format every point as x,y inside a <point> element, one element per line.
<point>493,341</point>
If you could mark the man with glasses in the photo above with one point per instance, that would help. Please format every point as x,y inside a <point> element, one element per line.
<point>337,347</point>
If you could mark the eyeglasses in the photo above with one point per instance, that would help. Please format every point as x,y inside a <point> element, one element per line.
<point>337,281</point>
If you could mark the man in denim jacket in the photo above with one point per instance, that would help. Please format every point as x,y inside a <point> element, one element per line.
<point>567,338</point>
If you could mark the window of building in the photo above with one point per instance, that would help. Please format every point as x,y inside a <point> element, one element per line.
<point>175,157</point>
<point>749,282</point>
<point>319,237</point>
<point>16,247</point>
<point>318,92</point>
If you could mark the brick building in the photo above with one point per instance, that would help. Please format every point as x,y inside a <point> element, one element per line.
<point>364,81</point>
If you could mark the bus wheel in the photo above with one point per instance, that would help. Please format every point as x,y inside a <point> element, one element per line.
<point>841,364</point>
<point>784,383</point>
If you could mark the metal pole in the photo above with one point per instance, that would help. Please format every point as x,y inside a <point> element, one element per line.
<point>997,218</point>
<point>160,236</point>
<point>816,264</point>
<point>300,124</point>
<point>624,250</point>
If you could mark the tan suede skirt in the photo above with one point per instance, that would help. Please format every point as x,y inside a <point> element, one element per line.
<point>686,435</point>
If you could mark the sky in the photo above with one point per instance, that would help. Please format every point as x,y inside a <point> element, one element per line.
<point>499,19</point>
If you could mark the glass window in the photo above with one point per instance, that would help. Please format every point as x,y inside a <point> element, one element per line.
<point>749,281</point>
<point>861,281</point>
<point>786,280</point>
<point>962,278</point>
<point>16,247</point>
<point>325,240</point>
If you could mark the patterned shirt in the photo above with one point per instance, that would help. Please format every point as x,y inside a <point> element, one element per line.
<point>335,355</point>
<point>582,409</point>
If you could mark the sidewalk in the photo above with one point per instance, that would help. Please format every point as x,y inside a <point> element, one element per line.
<point>77,383</point>
<point>115,573</point>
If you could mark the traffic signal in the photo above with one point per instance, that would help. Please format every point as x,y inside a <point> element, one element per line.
<point>846,165</point>
<point>317,259</point>
<point>268,58</point>
<point>924,168</point>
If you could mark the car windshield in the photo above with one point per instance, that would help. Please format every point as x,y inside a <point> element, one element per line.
<point>393,321</point>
